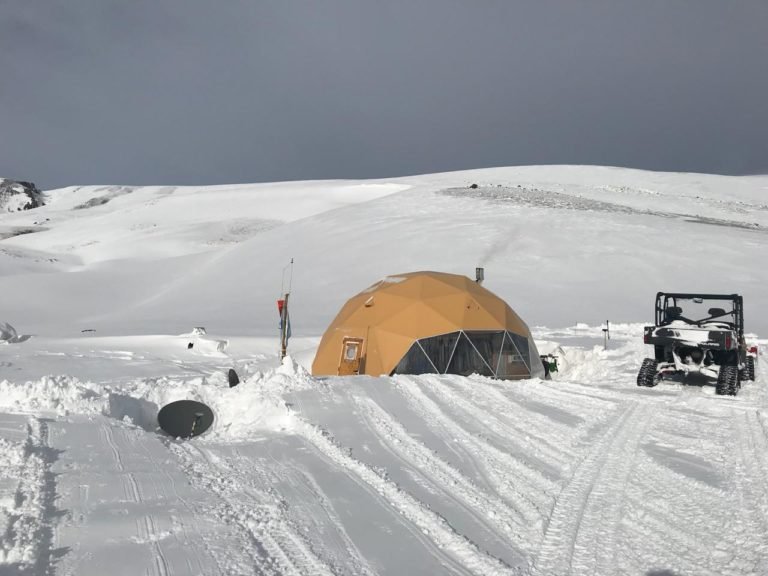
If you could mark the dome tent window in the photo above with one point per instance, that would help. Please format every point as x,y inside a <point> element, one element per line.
<point>350,351</point>
<point>493,354</point>
<point>429,323</point>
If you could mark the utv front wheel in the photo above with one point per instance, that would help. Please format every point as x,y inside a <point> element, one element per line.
<point>648,375</point>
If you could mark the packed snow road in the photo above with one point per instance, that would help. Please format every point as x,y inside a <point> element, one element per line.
<point>582,474</point>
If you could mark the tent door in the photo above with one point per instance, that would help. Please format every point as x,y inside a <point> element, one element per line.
<point>351,356</point>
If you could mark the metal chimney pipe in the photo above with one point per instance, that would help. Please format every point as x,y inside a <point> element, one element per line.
<point>479,275</point>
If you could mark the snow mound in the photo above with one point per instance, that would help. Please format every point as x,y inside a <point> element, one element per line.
<point>59,394</point>
<point>257,405</point>
<point>198,343</point>
<point>244,412</point>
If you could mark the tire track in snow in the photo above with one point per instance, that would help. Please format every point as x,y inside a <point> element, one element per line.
<point>279,550</point>
<point>495,514</point>
<point>538,447</point>
<point>558,393</point>
<point>526,488</point>
<point>145,527</point>
<point>590,393</point>
<point>458,548</point>
<point>130,487</point>
<point>360,566</point>
<point>187,542</point>
<point>656,524</point>
<point>288,544</point>
<point>250,555</point>
<point>688,510</point>
<point>582,531</point>
<point>752,447</point>
<point>490,398</point>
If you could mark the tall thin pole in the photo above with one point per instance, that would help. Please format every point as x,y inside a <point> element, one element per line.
<point>284,311</point>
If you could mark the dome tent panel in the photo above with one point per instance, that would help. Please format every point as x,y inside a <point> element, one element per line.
<point>467,360</point>
<point>415,361</point>
<point>385,350</point>
<point>511,363</point>
<point>356,320</point>
<point>488,345</point>
<point>418,320</point>
<point>464,312</point>
<point>439,349</point>
<point>392,315</point>
<point>537,367</point>
<point>521,343</point>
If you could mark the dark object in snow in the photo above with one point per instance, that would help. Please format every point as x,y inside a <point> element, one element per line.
<point>234,380</point>
<point>190,345</point>
<point>88,330</point>
<point>693,336</point>
<point>185,418</point>
<point>16,195</point>
<point>549,361</point>
<point>474,186</point>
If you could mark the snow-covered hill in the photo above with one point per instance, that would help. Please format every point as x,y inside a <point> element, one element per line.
<point>584,474</point>
<point>562,244</point>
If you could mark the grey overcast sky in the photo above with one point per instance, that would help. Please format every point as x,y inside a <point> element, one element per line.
<point>204,91</point>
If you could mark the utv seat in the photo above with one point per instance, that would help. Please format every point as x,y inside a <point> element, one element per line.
<point>717,320</point>
<point>672,313</point>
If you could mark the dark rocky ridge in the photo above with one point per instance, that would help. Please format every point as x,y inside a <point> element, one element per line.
<point>17,195</point>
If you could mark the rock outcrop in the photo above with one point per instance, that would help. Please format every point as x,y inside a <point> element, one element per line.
<point>16,195</point>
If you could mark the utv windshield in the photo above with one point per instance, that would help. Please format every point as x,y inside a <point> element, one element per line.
<point>698,310</point>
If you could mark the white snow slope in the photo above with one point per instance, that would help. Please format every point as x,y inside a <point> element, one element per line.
<point>583,474</point>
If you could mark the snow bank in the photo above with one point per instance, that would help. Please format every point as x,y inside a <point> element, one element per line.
<point>60,394</point>
<point>245,411</point>
<point>253,407</point>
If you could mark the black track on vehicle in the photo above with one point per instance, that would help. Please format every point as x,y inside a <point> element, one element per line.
<point>648,374</point>
<point>727,381</point>
<point>749,369</point>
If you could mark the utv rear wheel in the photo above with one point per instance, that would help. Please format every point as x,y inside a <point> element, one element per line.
<point>648,375</point>
<point>727,381</point>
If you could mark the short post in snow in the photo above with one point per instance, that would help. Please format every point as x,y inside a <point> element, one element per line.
<point>606,334</point>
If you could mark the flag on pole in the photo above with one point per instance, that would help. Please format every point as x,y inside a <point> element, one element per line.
<point>287,326</point>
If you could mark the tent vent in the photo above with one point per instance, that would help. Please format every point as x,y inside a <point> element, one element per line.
<point>479,275</point>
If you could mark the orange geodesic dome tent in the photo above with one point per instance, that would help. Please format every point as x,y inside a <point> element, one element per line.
<point>428,322</point>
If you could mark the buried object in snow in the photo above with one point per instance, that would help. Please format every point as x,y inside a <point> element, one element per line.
<point>185,418</point>
<point>232,377</point>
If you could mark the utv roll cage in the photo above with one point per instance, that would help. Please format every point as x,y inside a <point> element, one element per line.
<point>667,309</point>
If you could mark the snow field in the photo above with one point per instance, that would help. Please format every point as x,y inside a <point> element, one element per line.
<point>585,473</point>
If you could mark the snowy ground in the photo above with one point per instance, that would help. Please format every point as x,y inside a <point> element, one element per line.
<point>583,474</point>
